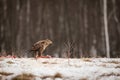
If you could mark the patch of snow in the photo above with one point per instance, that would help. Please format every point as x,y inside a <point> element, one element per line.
<point>60,68</point>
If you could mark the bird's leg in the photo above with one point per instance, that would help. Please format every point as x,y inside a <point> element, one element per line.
<point>40,53</point>
<point>36,54</point>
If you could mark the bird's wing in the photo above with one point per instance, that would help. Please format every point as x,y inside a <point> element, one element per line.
<point>35,46</point>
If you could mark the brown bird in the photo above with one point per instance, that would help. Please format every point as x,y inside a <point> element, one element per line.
<point>40,46</point>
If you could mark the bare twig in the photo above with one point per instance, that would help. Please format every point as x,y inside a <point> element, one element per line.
<point>69,46</point>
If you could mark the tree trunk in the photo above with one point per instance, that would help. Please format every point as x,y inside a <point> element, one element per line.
<point>106,28</point>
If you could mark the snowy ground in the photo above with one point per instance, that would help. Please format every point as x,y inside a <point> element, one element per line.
<point>59,69</point>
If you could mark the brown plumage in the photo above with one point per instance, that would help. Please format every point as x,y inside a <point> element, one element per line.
<point>40,46</point>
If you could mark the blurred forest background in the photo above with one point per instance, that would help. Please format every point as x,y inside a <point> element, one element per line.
<point>79,24</point>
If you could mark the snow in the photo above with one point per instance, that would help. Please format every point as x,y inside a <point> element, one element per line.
<point>61,68</point>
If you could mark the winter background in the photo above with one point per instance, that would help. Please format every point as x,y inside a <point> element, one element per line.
<point>85,35</point>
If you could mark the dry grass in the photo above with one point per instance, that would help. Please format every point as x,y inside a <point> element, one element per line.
<point>54,63</point>
<point>49,62</point>
<point>110,74</point>
<point>117,66</point>
<point>45,62</point>
<point>87,59</point>
<point>103,65</point>
<point>107,75</point>
<point>47,76</point>
<point>5,73</point>
<point>57,75</point>
<point>10,62</point>
<point>0,77</point>
<point>24,76</point>
<point>83,79</point>
<point>112,62</point>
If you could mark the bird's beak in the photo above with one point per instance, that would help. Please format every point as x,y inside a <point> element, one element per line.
<point>51,43</point>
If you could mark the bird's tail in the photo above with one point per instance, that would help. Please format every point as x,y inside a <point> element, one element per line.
<point>28,53</point>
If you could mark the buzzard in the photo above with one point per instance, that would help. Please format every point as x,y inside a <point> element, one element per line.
<point>40,46</point>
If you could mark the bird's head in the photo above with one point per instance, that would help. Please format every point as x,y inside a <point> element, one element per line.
<point>49,41</point>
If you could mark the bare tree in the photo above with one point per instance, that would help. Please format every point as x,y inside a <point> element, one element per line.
<point>106,28</point>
